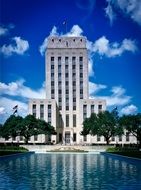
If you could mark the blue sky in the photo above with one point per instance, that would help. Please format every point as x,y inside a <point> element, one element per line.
<point>113,31</point>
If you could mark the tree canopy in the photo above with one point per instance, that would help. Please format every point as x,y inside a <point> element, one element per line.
<point>132,123</point>
<point>103,124</point>
<point>27,127</point>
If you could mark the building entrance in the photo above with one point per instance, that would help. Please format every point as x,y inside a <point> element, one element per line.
<point>67,138</point>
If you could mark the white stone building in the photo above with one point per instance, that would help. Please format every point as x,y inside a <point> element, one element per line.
<point>67,101</point>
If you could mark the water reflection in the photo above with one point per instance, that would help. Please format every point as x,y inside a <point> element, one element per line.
<point>69,171</point>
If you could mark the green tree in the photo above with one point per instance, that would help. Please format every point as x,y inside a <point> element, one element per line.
<point>10,127</point>
<point>103,124</point>
<point>29,127</point>
<point>132,123</point>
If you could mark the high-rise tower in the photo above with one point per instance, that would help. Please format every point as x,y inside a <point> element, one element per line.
<point>67,101</point>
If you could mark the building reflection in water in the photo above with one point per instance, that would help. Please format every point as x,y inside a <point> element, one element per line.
<point>69,171</point>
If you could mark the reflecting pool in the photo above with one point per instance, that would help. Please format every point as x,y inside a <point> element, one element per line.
<point>69,171</point>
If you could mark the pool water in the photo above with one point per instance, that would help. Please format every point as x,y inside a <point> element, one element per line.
<point>69,171</point>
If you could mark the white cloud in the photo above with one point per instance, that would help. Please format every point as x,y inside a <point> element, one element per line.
<point>110,13</point>
<point>14,90</point>
<point>75,31</point>
<point>94,88</point>
<point>2,110</point>
<point>102,46</point>
<point>3,31</point>
<point>7,104</point>
<point>20,46</point>
<point>131,109</point>
<point>19,89</point>
<point>117,98</point>
<point>130,8</point>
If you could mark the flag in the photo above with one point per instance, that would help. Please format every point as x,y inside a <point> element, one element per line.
<point>15,112</point>
<point>15,107</point>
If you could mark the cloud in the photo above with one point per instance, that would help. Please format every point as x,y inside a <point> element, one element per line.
<point>18,88</point>
<point>3,31</point>
<point>19,46</point>
<point>13,90</point>
<point>103,47</point>
<point>2,110</point>
<point>117,97</point>
<point>129,8</point>
<point>109,12</point>
<point>94,88</point>
<point>130,109</point>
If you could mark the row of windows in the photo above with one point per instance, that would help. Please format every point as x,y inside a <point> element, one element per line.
<point>67,60</point>
<point>67,120</point>
<point>112,138</point>
<point>92,110</point>
<point>42,111</point>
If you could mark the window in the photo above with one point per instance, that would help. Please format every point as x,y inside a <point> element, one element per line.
<point>21,138</point>
<point>74,137</point>
<point>52,91</point>
<point>113,138</point>
<point>67,75</point>
<point>52,59</point>
<point>52,67</point>
<point>81,60</point>
<point>67,83</point>
<point>34,109</point>
<point>41,115</point>
<point>98,138</point>
<point>66,60</point>
<point>59,91</point>
<point>49,113</point>
<point>52,83</point>
<point>127,136</point>
<point>73,60</point>
<point>84,112</point>
<point>92,108</point>
<point>74,107</point>
<point>81,75</point>
<point>67,120</point>
<point>81,93</point>
<point>35,137</point>
<point>120,137</point>
<point>74,83</point>
<point>59,60</point>
<point>52,74</point>
<point>60,99</point>
<point>74,99</point>
<point>73,66</point>
<point>100,107</point>
<point>74,120</point>
<point>85,138</point>
<point>60,137</point>
<point>67,107</point>
<point>67,91</point>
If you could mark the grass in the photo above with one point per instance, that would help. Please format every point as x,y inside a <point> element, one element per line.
<point>8,150</point>
<point>125,151</point>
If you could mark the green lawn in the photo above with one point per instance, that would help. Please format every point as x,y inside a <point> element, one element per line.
<point>136,154</point>
<point>7,150</point>
<point>125,151</point>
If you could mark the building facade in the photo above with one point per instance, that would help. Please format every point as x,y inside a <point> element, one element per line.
<point>67,101</point>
